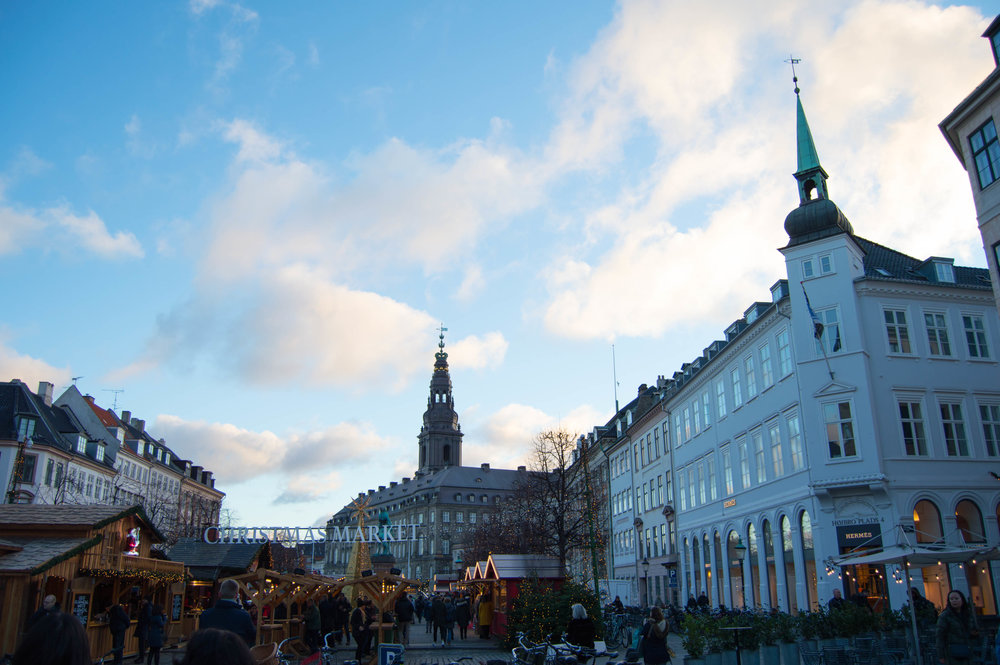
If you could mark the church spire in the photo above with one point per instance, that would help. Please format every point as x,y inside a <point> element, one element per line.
<point>817,216</point>
<point>440,439</point>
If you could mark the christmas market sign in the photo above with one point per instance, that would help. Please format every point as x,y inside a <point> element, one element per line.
<point>392,533</point>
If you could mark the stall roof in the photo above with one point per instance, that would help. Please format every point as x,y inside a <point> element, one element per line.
<point>212,561</point>
<point>36,555</point>
<point>93,516</point>
<point>508,566</point>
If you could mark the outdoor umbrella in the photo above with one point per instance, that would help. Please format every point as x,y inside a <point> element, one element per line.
<point>906,554</point>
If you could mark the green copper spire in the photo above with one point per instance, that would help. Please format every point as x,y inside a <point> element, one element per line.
<point>808,157</point>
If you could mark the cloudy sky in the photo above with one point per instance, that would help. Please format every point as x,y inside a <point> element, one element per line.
<point>251,218</point>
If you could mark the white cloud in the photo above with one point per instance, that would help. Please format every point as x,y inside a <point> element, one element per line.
<point>477,352</point>
<point>505,438</point>
<point>472,284</point>
<point>695,240</point>
<point>58,228</point>
<point>305,461</point>
<point>14,365</point>
<point>306,487</point>
<point>255,146</point>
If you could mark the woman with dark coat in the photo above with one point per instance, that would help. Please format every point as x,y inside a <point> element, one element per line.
<point>957,631</point>
<point>581,631</point>
<point>154,639</point>
<point>654,639</point>
<point>462,616</point>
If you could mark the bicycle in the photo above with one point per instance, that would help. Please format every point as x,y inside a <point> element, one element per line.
<point>584,654</point>
<point>618,634</point>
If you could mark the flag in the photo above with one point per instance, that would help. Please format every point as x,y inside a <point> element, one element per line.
<point>817,324</point>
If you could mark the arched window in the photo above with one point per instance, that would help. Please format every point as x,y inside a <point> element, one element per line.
<point>707,563</point>
<point>696,566</point>
<point>772,579</point>
<point>786,548</point>
<point>809,558</point>
<point>735,553</point>
<point>754,572</point>
<point>719,577</point>
<point>927,520</point>
<point>970,522</point>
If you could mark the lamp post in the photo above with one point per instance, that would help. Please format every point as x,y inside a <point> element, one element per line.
<point>645,579</point>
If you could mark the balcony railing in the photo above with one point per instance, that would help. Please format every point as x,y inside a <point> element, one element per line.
<point>125,564</point>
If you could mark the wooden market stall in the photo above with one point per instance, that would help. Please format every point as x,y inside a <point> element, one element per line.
<point>89,557</point>
<point>383,588</point>
<point>501,578</point>
<point>280,598</point>
<point>207,564</point>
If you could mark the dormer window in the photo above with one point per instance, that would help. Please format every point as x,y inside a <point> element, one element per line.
<point>100,452</point>
<point>944,272</point>
<point>25,428</point>
<point>81,444</point>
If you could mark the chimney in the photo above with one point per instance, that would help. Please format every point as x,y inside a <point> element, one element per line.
<point>406,480</point>
<point>485,466</point>
<point>392,483</point>
<point>522,468</point>
<point>642,389</point>
<point>45,392</point>
<point>126,417</point>
<point>89,399</point>
<point>381,488</point>
<point>139,425</point>
<point>370,492</point>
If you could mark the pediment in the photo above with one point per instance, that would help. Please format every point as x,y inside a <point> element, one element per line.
<point>834,388</point>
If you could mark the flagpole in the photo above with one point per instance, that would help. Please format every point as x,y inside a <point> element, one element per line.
<point>817,330</point>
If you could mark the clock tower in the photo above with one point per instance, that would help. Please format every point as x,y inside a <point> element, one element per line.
<point>440,439</point>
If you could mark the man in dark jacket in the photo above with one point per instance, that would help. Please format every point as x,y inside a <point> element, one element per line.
<point>361,629</point>
<point>327,612</point>
<point>49,606</point>
<point>118,623</point>
<point>142,627</point>
<point>229,615</point>
<point>404,615</point>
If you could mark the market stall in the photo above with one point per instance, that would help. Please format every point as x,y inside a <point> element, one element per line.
<point>90,558</point>
<point>501,578</point>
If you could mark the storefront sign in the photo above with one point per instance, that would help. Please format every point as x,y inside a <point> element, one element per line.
<point>81,607</point>
<point>298,535</point>
<point>859,535</point>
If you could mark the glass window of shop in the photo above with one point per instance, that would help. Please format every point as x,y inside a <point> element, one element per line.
<point>809,559</point>
<point>772,578</point>
<point>970,523</point>
<point>719,578</point>
<point>735,554</point>
<point>927,523</point>
<point>707,563</point>
<point>786,548</point>
<point>754,572</point>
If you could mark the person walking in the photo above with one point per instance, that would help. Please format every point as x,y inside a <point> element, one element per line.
<point>581,631</point>
<point>462,616</point>
<point>327,611</point>
<point>485,616</point>
<point>429,616</point>
<point>229,615</point>
<point>361,629</point>
<point>957,631</point>
<point>118,623</point>
<point>313,621</point>
<point>142,627</point>
<point>654,639</point>
<point>342,619</point>
<point>418,608</point>
<point>438,611</point>
<point>154,634</point>
<point>404,617</point>
<point>448,628</point>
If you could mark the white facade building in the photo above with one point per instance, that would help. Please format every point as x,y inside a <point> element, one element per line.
<point>821,426</point>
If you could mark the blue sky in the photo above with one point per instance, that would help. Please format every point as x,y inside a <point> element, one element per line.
<point>252,217</point>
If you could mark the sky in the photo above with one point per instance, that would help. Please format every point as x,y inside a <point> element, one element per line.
<point>244,222</point>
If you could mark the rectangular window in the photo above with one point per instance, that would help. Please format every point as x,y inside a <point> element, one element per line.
<point>911,418</point>
<point>635,451</point>
<point>25,428</point>
<point>646,505</point>
<point>720,398</point>
<point>954,430</point>
<point>687,423</point>
<point>975,336</point>
<point>656,440</point>
<point>81,445</point>
<point>100,452</point>
<point>760,457</point>
<point>830,340</point>
<point>784,353</point>
<point>713,490</point>
<point>734,374</point>
<point>666,439</point>
<point>90,485</point>
<point>766,371</point>
<point>751,375</point>
<point>445,516</point>
<point>986,153</point>
<point>937,333</point>
<point>990,415</point>
<point>807,269</point>
<point>650,450</point>
<point>681,489</point>
<point>896,330</point>
<point>59,474</point>
<point>702,489</point>
<point>839,430</point>
<point>727,470</point>
<point>692,483</point>
<point>678,430</point>
<point>659,490</point>
<point>825,264</point>
<point>774,437</point>
<point>638,500</point>
<point>696,416</point>
<point>28,469</point>
<point>459,517</point>
<point>741,448</point>
<point>705,412</point>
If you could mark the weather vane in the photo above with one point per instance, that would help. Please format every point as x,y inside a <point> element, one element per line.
<point>795,79</point>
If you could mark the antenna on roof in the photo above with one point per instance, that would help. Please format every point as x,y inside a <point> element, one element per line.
<point>76,378</point>
<point>116,391</point>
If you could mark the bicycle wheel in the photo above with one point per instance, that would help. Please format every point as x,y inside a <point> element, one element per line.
<point>611,637</point>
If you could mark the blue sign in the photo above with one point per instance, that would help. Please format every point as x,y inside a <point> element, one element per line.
<point>672,577</point>
<point>390,653</point>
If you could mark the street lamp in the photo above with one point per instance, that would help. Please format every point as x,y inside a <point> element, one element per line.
<point>645,579</point>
